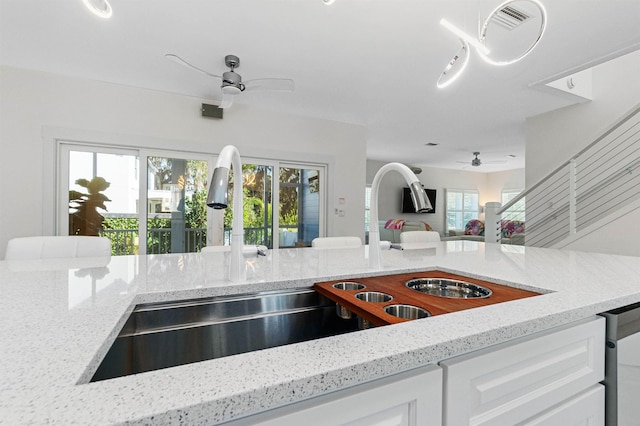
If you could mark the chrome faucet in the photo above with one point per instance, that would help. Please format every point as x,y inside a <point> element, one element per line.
<point>418,195</point>
<point>218,198</point>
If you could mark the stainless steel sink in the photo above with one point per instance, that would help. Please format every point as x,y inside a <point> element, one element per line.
<point>444,287</point>
<point>162,335</point>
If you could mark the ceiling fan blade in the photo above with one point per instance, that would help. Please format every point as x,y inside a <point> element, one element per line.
<point>279,84</point>
<point>178,60</point>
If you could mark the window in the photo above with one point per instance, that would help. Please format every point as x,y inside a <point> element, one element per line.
<point>295,198</point>
<point>157,208</point>
<point>367,208</point>
<point>300,204</point>
<point>515,212</point>
<point>462,206</point>
<point>148,201</point>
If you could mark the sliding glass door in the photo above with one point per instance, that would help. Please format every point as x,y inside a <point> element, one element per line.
<point>176,213</point>
<point>257,205</point>
<point>145,202</point>
<point>292,205</point>
<point>300,204</point>
<point>153,202</point>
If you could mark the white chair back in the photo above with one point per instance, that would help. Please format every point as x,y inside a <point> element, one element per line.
<point>336,242</point>
<point>419,237</point>
<point>56,247</point>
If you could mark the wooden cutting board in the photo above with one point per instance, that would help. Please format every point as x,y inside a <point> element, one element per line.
<point>394,285</point>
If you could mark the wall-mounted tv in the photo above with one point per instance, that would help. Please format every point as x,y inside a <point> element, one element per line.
<point>407,202</point>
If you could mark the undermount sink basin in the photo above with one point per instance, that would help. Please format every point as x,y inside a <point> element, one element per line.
<point>161,335</point>
<point>444,287</point>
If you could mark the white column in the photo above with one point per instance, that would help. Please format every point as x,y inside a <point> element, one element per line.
<point>492,228</point>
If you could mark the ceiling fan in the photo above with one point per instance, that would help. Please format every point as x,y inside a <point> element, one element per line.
<point>477,162</point>
<point>232,83</point>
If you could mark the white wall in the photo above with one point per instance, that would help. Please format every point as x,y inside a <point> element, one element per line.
<point>36,107</point>
<point>553,137</point>
<point>511,180</point>
<point>489,186</point>
<point>614,237</point>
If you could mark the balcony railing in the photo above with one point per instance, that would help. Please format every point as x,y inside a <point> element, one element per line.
<point>126,241</point>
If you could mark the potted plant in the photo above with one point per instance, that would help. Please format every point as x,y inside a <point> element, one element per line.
<point>84,218</point>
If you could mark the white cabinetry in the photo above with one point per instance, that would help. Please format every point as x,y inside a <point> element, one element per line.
<point>586,408</point>
<point>531,379</point>
<point>412,398</point>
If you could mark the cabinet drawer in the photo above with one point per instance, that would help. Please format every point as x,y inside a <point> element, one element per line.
<point>412,398</point>
<point>514,381</point>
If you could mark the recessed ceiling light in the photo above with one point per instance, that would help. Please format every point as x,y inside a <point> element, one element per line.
<point>100,8</point>
<point>328,2</point>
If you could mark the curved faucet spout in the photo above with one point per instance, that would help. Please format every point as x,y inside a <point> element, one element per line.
<point>217,198</point>
<point>418,195</point>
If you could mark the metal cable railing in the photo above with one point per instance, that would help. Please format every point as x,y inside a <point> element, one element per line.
<point>599,180</point>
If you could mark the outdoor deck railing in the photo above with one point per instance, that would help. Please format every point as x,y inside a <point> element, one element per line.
<point>125,241</point>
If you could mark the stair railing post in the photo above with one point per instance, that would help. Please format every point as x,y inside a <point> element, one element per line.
<point>492,223</point>
<point>572,197</point>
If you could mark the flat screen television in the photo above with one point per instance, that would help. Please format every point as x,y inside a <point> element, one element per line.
<point>407,202</point>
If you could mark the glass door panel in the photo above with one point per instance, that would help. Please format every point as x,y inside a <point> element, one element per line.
<point>299,206</point>
<point>176,211</point>
<point>257,205</point>
<point>102,198</point>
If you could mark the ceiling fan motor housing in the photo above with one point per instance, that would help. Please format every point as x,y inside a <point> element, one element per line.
<point>232,79</point>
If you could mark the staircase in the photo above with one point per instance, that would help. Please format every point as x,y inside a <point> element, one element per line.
<point>595,186</point>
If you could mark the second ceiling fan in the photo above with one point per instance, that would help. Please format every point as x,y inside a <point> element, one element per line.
<point>232,83</point>
<point>476,162</point>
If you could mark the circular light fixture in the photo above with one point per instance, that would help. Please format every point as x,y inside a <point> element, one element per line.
<point>100,8</point>
<point>501,10</point>
<point>328,2</point>
<point>455,67</point>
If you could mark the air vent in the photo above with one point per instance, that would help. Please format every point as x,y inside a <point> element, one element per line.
<point>509,17</point>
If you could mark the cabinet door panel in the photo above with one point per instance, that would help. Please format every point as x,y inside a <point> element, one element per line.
<point>511,382</point>
<point>585,409</point>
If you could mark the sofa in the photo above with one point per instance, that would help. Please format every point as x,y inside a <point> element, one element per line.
<point>393,234</point>
<point>512,232</point>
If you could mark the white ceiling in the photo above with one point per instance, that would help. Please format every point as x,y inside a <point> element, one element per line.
<point>370,62</point>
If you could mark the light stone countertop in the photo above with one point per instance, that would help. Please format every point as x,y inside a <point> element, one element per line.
<point>59,318</point>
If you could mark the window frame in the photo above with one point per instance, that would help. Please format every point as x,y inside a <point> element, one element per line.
<point>512,213</point>
<point>54,137</point>
<point>61,203</point>
<point>367,209</point>
<point>448,208</point>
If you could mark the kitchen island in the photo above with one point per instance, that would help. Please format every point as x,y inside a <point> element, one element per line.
<point>59,318</point>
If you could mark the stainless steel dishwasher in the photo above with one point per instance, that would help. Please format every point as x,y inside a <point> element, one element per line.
<point>622,366</point>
